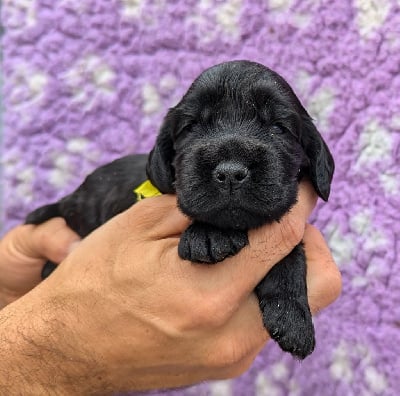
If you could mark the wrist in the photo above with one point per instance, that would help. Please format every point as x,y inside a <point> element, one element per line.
<point>38,354</point>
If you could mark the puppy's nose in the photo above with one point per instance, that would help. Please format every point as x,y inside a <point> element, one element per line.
<point>230,173</point>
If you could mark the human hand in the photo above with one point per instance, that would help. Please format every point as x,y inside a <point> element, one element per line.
<point>24,250</point>
<point>124,312</point>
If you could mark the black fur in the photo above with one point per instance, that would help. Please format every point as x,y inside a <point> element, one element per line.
<point>233,150</point>
<point>104,193</point>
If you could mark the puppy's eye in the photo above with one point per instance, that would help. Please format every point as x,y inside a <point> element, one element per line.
<point>186,129</point>
<point>277,130</point>
<point>183,130</point>
<point>280,129</point>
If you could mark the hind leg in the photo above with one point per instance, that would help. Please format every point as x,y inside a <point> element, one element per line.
<point>43,214</point>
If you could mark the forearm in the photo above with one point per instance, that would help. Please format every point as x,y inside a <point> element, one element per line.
<point>38,355</point>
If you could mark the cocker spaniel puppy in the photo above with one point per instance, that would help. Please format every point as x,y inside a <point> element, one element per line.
<point>233,150</point>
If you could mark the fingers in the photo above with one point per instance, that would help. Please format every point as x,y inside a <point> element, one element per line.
<point>236,277</point>
<point>159,217</point>
<point>230,349</point>
<point>271,243</point>
<point>323,277</point>
<point>23,252</point>
<point>52,240</point>
<point>234,349</point>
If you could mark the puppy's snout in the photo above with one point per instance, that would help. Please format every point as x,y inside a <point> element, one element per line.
<point>230,173</point>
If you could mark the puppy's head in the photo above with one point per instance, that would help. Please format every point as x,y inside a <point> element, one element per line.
<point>235,146</point>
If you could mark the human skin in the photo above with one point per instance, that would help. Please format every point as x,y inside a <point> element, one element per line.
<point>23,252</point>
<point>124,312</point>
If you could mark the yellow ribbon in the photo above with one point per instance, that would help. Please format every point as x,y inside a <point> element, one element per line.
<point>146,190</point>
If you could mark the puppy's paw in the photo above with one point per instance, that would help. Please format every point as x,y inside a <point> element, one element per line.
<point>204,243</point>
<point>289,323</point>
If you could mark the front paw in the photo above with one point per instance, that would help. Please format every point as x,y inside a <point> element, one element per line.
<point>289,323</point>
<point>204,243</point>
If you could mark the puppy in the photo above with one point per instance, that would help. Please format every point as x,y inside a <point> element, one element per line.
<point>233,150</point>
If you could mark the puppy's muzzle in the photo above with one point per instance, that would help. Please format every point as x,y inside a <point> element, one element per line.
<point>230,175</point>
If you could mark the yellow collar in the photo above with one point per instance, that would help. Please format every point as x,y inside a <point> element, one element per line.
<point>146,190</point>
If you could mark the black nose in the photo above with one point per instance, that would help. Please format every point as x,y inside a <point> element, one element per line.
<point>230,173</point>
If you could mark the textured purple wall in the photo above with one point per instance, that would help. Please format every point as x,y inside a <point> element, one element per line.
<point>90,80</point>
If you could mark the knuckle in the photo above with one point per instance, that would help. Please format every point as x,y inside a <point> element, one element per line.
<point>208,313</point>
<point>328,289</point>
<point>57,252</point>
<point>229,355</point>
<point>49,239</point>
<point>54,247</point>
<point>333,284</point>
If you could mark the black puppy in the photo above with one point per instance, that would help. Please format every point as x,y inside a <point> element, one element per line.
<point>233,150</point>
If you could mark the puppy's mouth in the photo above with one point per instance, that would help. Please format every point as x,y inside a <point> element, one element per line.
<point>233,210</point>
<point>233,217</point>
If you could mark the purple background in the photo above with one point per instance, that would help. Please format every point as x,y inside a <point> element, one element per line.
<point>90,80</point>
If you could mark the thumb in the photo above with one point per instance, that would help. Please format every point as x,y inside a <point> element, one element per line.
<point>159,217</point>
<point>51,240</point>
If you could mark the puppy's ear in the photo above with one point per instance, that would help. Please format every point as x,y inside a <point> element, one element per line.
<point>159,165</point>
<point>322,165</point>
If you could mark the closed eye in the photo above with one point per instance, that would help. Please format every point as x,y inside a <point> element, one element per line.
<point>183,130</point>
<point>280,129</point>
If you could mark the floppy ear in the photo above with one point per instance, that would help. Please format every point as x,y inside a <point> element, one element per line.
<point>322,165</point>
<point>159,165</point>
